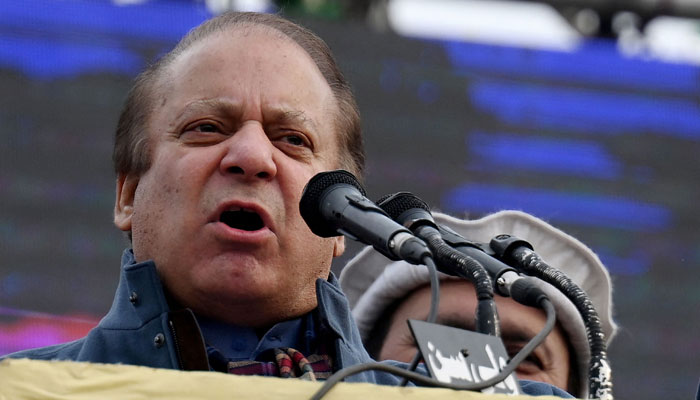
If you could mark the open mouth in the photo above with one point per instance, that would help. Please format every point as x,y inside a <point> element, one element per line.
<point>242,219</point>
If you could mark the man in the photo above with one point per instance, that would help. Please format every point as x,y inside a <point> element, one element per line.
<point>212,151</point>
<point>384,295</point>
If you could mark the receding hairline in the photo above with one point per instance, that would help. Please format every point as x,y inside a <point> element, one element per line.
<point>246,28</point>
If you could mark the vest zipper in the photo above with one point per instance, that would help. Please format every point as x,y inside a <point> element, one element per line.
<point>177,344</point>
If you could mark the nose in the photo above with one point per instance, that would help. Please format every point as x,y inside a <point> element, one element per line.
<point>249,153</point>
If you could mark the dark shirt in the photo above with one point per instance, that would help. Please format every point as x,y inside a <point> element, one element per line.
<point>238,343</point>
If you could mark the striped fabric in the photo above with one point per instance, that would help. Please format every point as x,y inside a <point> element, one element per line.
<point>289,363</point>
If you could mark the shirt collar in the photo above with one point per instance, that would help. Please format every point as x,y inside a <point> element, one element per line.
<point>238,343</point>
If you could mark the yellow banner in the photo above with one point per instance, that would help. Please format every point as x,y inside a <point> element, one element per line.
<point>64,380</point>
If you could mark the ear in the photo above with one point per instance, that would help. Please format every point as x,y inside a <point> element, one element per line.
<point>124,204</point>
<point>338,246</point>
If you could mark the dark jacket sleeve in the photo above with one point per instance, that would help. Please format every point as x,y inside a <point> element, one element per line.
<point>533,388</point>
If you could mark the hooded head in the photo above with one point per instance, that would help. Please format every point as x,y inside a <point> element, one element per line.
<point>374,284</point>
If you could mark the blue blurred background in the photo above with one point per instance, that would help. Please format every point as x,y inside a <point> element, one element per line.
<point>588,118</point>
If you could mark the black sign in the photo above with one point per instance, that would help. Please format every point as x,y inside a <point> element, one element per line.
<point>462,357</point>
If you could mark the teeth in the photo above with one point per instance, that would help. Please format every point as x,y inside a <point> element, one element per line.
<point>240,209</point>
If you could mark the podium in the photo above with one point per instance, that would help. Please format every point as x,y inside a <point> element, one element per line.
<point>22,379</point>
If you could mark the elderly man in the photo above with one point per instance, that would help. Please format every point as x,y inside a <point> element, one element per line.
<point>213,148</point>
<point>384,295</point>
<point>212,151</point>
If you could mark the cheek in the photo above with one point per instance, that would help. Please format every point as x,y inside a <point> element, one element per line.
<point>293,180</point>
<point>157,206</point>
<point>398,345</point>
<point>153,196</point>
<point>555,372</point>
<point>559,370</point>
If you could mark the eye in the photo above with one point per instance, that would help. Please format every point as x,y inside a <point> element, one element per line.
<point>204,127</point>
<point>295,140</point>
<point>208,128</point>
<point>530,364</point>
<point>202,133</point>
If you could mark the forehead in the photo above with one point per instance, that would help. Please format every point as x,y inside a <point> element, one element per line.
<point>250,64</point>
<point>457,307</point>
<point>258,47</point>
<point>251,67</point>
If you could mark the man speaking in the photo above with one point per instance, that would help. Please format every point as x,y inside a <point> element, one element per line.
<point>213,148</point>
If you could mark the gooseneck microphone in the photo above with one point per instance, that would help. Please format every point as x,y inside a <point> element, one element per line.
<point>412,212</point>
<point>520,253</point>
<point>507,280</point>
<point>333,203</point>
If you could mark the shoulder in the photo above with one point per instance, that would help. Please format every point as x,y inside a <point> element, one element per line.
<point>64,351</point>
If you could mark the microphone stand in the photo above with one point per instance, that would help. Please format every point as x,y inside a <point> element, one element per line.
<point>519,253</point>
<point>410,211</point>
<point>452,262</point>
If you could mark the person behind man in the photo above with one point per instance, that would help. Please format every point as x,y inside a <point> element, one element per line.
<point>384,295</point>
<point>213,148</point>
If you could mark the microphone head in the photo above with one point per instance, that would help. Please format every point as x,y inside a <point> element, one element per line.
<point>312,198</point>
<point>398,203</point>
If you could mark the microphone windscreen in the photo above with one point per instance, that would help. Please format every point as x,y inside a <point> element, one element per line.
<point>310,204</point>
<point>398,203</point>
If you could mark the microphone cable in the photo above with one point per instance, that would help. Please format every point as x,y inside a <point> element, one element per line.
<point>335,203</point>
<point>413,213</point>
<point>434,308</point>
<point>519,253</point>
<point>455,263</point>
<point>410,211</point>
<point>415,377</point>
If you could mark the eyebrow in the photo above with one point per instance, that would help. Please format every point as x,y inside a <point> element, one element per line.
<point>455,321</point>
<point>277,114</point>
<point>283,116</point>
<point>511,332</point>
<point>458,321</point>
<point>219,106</point>
<point>514,333</point>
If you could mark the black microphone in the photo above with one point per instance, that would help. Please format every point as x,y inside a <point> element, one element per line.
<point>520,253</point>
<point>333,203</point>
<point>507,280</point>
<point>413,213</point>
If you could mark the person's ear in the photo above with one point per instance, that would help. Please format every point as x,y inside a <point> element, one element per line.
<point>338,246</point>
<point>124,204</point>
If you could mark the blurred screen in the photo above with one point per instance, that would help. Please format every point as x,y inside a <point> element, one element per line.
<point>603,147</point>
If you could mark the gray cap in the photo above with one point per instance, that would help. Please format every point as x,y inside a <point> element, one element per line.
<point>372,282</point>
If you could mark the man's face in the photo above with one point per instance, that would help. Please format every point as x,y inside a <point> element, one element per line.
<point>548,363</point>
<point>242,121</point>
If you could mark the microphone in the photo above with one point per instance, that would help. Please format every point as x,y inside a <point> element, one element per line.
<point>507,280</point>
<point>520,253</point>
<point>333,203</point>
<point>412,212</point>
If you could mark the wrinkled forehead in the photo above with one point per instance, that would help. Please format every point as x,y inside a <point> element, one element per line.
<point>243,40</point>
<point>238,33</point>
